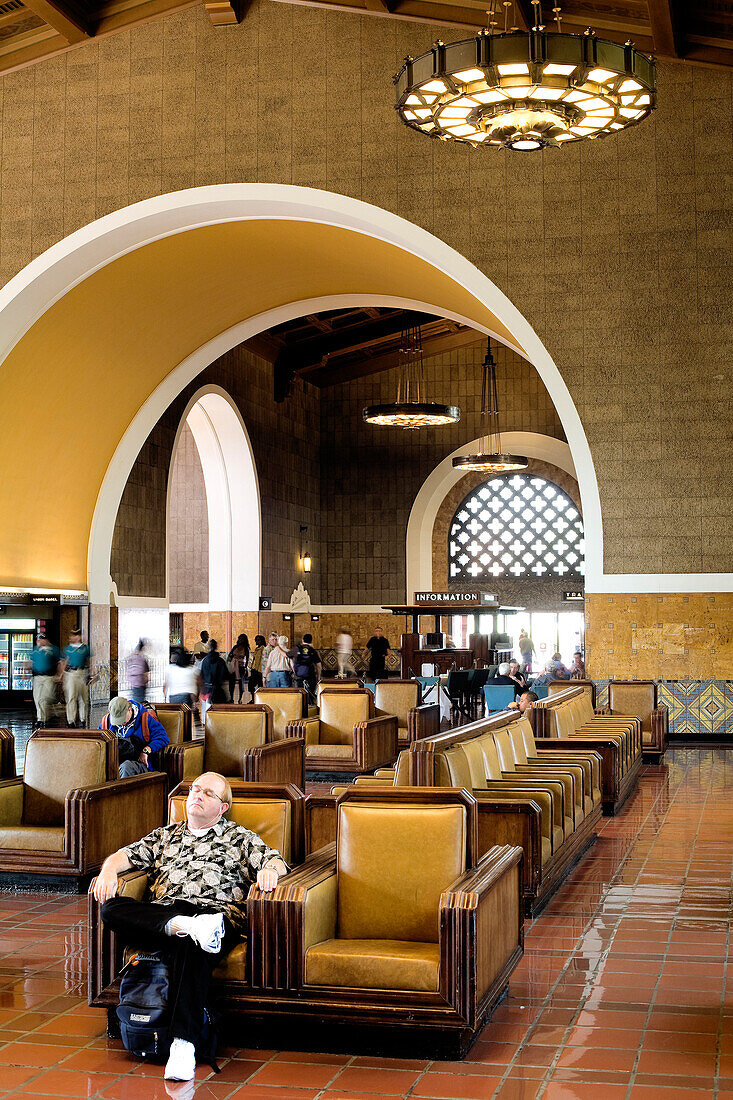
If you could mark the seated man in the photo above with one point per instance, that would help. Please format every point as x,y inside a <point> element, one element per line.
<point>524,702</point>
<point>139,732</point>
<point>200,873</point>
<point>503,677</point>
<point>547,676</point>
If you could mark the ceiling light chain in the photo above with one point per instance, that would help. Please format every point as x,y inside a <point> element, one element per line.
<point>490,456</point>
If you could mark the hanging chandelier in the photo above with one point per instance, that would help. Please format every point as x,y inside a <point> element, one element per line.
<point>526,89</point>
<point>411,410</point>
<point>490,458</point>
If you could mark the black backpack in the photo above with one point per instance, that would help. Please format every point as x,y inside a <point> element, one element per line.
<point>305,661</point>
<point>144,1016</point>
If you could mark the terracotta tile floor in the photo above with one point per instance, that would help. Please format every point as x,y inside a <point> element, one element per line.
<point>622,992</point>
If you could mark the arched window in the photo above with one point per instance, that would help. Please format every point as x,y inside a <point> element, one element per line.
<point>513,526</point>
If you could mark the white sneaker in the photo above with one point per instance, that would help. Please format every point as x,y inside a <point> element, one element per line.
<point>206,929</point>
<point>181,1064</point>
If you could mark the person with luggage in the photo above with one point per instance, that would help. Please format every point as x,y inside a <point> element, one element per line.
<point>200,871</point>
<point>306,666</point>
<point>139,733</point>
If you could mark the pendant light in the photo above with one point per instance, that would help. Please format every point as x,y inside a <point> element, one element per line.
<point>526,90</point>
<point>411,409</point>
<point>490,459</point>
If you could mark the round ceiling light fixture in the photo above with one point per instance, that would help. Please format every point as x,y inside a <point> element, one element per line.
<point>526,90</point>
<point>411,410</point>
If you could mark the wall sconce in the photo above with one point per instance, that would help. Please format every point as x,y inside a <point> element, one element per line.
<point>305,558</point>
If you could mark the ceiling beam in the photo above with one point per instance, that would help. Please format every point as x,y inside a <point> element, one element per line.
<point>65,17</point>
<point>665,28</point>
<point>334,374</point>
<point>225,13</point>
<point>308,355</point>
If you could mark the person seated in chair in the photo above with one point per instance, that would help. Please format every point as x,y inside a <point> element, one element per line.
<point>524,702</point>
<point>139,733</point>
<point>200,871</point>
<point>515,674</point>
<point>503,677</point>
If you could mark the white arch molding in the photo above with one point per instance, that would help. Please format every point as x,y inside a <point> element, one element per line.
<point>47,278</point>
<point>232,498</point>
<point>438,483</point>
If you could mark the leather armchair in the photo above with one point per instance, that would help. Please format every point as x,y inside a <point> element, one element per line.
<point>367,933</point>
<point>402,698</point>
<point>332,684</point>
<point>345,736</point>
<point>639,697</point>
<point>69,810</point>
<point>274,812</point>
<point>238,743</point>
<point>287,705</point>
<point>177,720</point>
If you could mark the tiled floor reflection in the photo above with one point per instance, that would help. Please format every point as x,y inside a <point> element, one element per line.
<point>622,992</point>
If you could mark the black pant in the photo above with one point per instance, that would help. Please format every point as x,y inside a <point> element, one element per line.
<point>141,925</point>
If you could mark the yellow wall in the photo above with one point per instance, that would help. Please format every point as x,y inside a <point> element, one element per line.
<point>659,637</point>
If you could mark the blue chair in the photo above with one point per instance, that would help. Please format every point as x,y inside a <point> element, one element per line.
<point>498,697</point>
<point>540,690</point>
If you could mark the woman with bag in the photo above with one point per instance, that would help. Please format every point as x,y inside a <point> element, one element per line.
<point>279,668</point>
<point>237,664</point>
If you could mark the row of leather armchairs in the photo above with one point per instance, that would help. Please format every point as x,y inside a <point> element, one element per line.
<point>362,933</point>
<point>279,737</point>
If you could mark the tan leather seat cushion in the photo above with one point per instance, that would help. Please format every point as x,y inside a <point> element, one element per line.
<point>374,964</point>
<point>270,818</point>
<point>397,699</point>
<point>54,766</point>
<point>39,838</point>
<point>340,712</point>
<point>331,752</point>
<point>384,890</point>
<point>458,767</point>
<point>402,770</point>
<point>228,734</point>
<point>286,707</point>
<point>174,723</point>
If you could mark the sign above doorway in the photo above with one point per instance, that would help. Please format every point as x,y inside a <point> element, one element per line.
<point>447,600</point>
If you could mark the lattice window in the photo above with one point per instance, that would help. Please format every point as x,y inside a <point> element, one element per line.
<point>514,526</point>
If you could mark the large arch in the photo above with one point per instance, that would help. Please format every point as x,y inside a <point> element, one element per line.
<point>135,305</point>
<point>232,498</point>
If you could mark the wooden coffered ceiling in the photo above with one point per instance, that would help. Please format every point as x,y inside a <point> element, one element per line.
<point>698,31</point>
<point>337,346</point>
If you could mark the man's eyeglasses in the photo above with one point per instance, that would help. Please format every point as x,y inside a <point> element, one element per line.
<point>206,792</point>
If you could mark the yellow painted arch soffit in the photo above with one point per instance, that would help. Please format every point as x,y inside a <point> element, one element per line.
<point>85,368</point>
